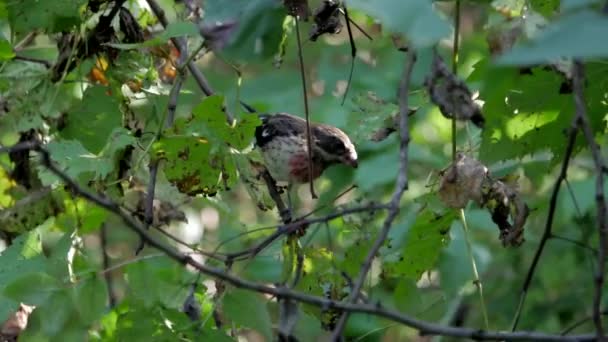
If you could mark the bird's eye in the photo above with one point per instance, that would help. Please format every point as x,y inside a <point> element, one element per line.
<point>337,146</point>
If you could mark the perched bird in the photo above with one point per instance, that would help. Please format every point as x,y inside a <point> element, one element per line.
<point>282,140</point>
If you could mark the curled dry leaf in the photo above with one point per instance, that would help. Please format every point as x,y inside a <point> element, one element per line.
<point>501,40</point>
<point>462,181</point>
<point>326,19</point>
<point>451,94</point>
<point>504,201</point>
<point>16,323</point>
<point>297,8</point>
<point>468,179</point>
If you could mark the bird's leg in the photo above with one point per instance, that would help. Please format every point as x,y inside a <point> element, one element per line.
<point>289,202</point>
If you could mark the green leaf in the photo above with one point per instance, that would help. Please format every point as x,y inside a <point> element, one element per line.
<point>259,30</point>
<point>545,7</point>
<point>196,151</point>
<point>191,164</point>
<point>424,243</point>
<point>209,120</point>
<point>75,160</point>
<point>572,36</point>
<point>158,281</point>
<point>55,313</point>
<point>32,288</point>
<point>6,50</point>
<point>24,255</point>
<point>248,309</point>
<point>94,119</point>
<point>91,298</point>
<point>416,19</point>
<point>50,16</point>
<point>175,29</point>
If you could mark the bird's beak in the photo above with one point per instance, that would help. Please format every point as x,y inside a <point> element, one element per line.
<point>352,163</point>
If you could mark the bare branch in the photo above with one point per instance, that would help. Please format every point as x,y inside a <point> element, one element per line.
<point>306,110</point>
<point>400,188</point>
<point>424,327</point>
<point>578,78</point>
<point>547,234</point>
<point>103,241</point>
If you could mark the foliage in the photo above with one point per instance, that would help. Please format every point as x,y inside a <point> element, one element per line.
<point>124,113</point>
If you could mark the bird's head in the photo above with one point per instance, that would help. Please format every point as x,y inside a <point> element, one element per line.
<point>333,146</point>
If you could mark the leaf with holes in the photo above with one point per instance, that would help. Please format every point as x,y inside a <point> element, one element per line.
<point>424,243</point>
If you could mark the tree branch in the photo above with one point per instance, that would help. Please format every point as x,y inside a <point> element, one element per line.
<point>547,234</point>
<point>400,188</point>
<point>424,327</point>
<point>578,78</point>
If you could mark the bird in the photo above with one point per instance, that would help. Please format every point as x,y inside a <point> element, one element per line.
<point>281,138</point>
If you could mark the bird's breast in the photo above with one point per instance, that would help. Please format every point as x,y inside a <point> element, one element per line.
<point>286,159</point>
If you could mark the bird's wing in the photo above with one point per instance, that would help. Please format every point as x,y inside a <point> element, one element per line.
<point>280,124</point>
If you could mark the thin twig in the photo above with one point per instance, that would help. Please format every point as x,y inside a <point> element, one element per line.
<point>155,163</point>
<point>353,54</point>
<point>477,280</point>
<point>549,222</point>
<point>400,187</point>
<point>306,110</point>
<point>350,20</point>
<point>291,227</point>
<point>424,327</point>
<point>456,45</point>
<point>47,64</point>
<point>103,241</point>
<point>271,184</point>
<point>578,78</point>
<point>580,322</point>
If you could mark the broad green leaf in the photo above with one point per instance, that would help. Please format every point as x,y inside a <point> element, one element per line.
<point>209,120</point>
<point>24,255</point>
<point>32,288</point>
<point>424,243</point>
<point>93,120</point>
<point>196,151</point>
<point>91,297</point>
<point>416,19</point>
<point>55,313</point>
<point>258,33</point>
<point>76,160</point>
<point>519,125</point>
<point>572,36</point>
<point>58,261</point>
<point>158,281</point>
<point>239,306</point>
<point>6,50</point>
<point>31,211</point>
<point>49,16</point>
<point>455,264</point>
<point>545,7</point>
<point>191,164</point>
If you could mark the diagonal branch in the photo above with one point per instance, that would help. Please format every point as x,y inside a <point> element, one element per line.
<point>547,234</point>
<point>400,188</point>
<point>424,327</point>
<point>578,78</point>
